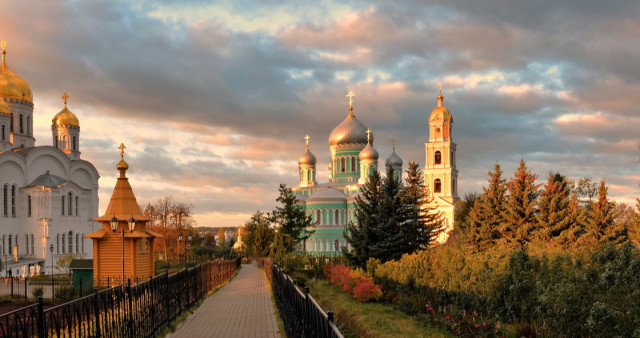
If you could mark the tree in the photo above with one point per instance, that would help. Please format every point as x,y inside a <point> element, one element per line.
<point>600,226</point>
<point>462,210</point>
<point>258,235</point>
<point>292,219</point>
<point>62,263</point>
<point>554,205</point>
<point>362,234</point>
<point>519,212</point>
<point>486,215</point>
<point>279,249</point>
<point>586,188</point>
<point>222,237</point>
<point>423,224</point>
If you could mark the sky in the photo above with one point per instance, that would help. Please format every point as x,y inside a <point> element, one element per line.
<point>213,99</point>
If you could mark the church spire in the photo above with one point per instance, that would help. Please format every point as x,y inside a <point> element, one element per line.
<point>440,97</point>
<point>350,95</point>
<point>3,44</point>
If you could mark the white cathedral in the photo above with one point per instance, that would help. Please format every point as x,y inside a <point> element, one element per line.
<point>49,194</point>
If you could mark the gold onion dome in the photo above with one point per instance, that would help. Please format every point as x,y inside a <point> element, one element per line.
<point>4,108</point>
<point>65,117</point>
<point>368,153</point>
<point>12,86</point>
<point>440,112</point>
<point>350,130</point>
<point>307,157</point>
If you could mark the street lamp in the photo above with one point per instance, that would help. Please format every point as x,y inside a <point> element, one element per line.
<point>179,240</point>
<point>190,237</point>
<point>52,282</point>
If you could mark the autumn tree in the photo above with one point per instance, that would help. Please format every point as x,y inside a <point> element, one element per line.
<point>222,237</point>
<point>519,212</point>
<point>554,216</point>
<point>600,226</point>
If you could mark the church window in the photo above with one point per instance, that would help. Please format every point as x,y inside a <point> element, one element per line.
<point>58,243</point>
<point>63,243</point>
<point>438,157</point>
<point>77,205</point>
<point>324,216</point>
<point>5,196</point>
<point>309,175</point>
<point>77,244</point>
<point>4,247</point>
<point>32,246</point>
<point>70,205</point>
<point>62,205</point>
<point>11,126</point>
<point>75,146</point>
<point>29,125</point>
<point>13,201</point>
<point>336,219</point>
<point>437,185</point>
<point>3,133</point>
<point>70,241</point>
<point>453,183</point>
<point>56,142</point>
<point>29,206</point>
<point>353,164</point>
<point>342,164</point>
<point>26,243</point>
<point>335,165</point>
<point>336,245</point>
<point>21,125</point>
<point>82,242</point>
<point>318,217</point>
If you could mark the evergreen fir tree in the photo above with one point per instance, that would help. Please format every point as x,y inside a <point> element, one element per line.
<point>600,226</point>
<point>361,235</point>
<point>485,217</point>
<point>423,224</point>
<point>519,212</point>
<point>577,218</point>
<point>279,249</point>
<point>262,237</point>
<point>462,210</point>
<point>392,221</point>
<point>554,205</point>
<point>292,219</point>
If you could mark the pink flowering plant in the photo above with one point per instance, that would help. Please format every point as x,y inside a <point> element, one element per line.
<point>461,323</point>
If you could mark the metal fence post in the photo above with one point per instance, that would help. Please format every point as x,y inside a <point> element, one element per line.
<point>130,307</point>
<point>25,288</point>
<point>41,331</point>
<point>96,312</point>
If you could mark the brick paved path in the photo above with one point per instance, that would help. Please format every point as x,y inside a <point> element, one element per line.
<point>242,308</point>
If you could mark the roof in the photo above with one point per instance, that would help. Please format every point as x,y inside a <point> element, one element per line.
<point>328,193</point>
<point>81,264</point>
<point>48,180</point>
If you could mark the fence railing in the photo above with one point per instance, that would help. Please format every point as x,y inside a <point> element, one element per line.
<point>141,310</point>
<point>300,313</point>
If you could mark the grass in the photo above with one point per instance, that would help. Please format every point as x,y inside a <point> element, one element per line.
<point>369,319</point>
<point>181,318</point>
<point>275,308</point>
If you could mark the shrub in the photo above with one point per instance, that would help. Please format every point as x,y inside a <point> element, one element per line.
<point>37,292</point>
<point>366,290</point>
<point>65,292</point>
<point>354,282</point>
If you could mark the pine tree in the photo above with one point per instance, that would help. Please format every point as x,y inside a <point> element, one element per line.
<point>423,224</point>
<point>577,217</point>
<point>393,220</point>
<point>292,219</point>
<point>361,235</point>
<point>554,205</point>
<point>279,249</point>
<point>485,217</point>
<point>600,226</point>
<point>262,237</point>
<point>519,213</point>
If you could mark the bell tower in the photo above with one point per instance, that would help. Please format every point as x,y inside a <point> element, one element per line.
<point>440,173</point>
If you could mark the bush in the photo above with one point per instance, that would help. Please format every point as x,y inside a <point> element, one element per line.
<point>354,282</point>
<point>37,292</point>
<point>65,293</point>
<point>366,290</point>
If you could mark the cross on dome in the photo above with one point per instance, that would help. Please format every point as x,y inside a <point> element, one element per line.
<point>440,85</point>
<point>350,95</point>
<point>306,138</point>
<point>3,44</point>
<point>368,134</point>
<point>393,142</point>
<point>65,97</point>
<point>122,148</point>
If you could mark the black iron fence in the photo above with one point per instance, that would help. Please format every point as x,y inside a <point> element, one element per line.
<point>141,310</point>
<point>301,315</point>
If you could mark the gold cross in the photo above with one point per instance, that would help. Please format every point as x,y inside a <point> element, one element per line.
<point>350,95</point>
<point>393,141</point>
<point>122,147</point>
<point>440,85</point>
<point>65,97</point>
<point>3,44</point>
<point>306,138</point>
<point>368,134</point>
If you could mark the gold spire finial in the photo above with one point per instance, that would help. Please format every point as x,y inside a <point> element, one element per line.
<point>350,95</point>
<point>65,97</point>
<point>3,44</point>
<point>393,142</point>
<point>122,165</point>
<point>122,148</point>
<point>368,135</point>
<point>440,97</point>
<point>440,85</point>
<point>306,138</point>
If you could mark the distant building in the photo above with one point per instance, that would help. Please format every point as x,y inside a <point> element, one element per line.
<point>353,159</point>
<point>48,194</point>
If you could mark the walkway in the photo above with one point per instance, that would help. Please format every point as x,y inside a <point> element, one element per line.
<point>242,308</point>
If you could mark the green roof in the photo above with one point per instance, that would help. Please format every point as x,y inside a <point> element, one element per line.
<point>81,264</point>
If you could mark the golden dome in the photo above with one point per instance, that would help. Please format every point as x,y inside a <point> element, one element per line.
<point>4,107</point>
<point>66,118</point>
<point>12,86</point>
<point>394,160</point>
<point>307,158</point>
<point>440,112</point>
<point>368,153</point>
<point>349,131</point>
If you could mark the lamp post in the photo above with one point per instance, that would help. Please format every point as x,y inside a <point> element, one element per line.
<point>179,240</point>
<point>190,237</point>
<point>52,282</point>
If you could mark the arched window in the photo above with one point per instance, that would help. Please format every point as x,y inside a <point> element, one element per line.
<point>28,205</point>
<point>336,245</point>
<point>63,243</point>
<point>32,246</point>
<point>336,219</point>
<point>438,157</point>
<point>26,244</point>
<point>76,205</point>
<point>335,165</point>
<point>70,241</point>
<point>29,125</point>
<point>5,200</point>
<point>13,201</point>
<point>70,205</point>
<point>4,137</point>
<point>342,164</point>
<point>437,185</point>
<point>65,141</point>
<point>353,164</point>
<point>58,243</point>
<point>4,245</point>
<point>21,125</point>
<point>308,175</point>
<point>82,242</point>
<point>62,205</point>
<point>453,183</point>
<point>75,146</point>
<point>77,244</point>
<point>318,216</point>
<point>56,142</point>
<point>10,244</point>
<point>11,126</point>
